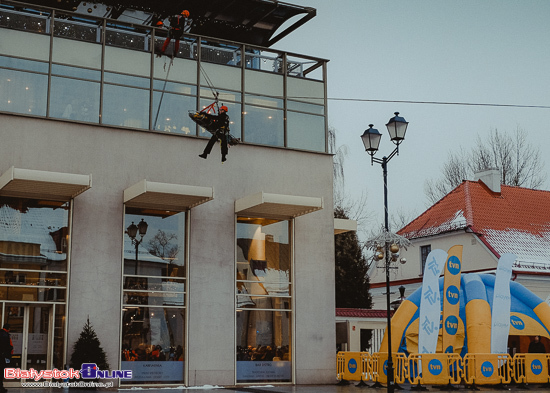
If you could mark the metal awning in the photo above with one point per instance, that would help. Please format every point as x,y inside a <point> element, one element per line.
<point>342,225</point>
<point>256,22</point>
<point>166,196</point>
<point>277,206</point>
<point>35,184</point>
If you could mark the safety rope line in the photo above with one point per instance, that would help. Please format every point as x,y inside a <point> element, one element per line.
<point>162,95</point>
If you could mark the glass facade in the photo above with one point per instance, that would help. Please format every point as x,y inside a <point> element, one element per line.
<point>101,72</point>
<point>154,296</point>
<point>34,237</point>
<point>263,300</point>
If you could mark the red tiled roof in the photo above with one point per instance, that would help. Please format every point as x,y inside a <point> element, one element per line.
<point>516,220</point>
<point>360,313</point>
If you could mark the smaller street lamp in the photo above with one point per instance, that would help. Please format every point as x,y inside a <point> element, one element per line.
<point>132,232</point>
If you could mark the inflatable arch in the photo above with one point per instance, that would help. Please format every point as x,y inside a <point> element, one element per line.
<point>529,316</point>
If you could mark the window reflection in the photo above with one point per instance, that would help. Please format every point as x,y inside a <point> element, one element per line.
<point>264,302</point>
<point>169,114</point>
<point>306,131</point>
<point>23,92</point>
<point>264,126</point>
<point>74,99</point>
<point>152,344</point>
<point>153,324</point>
<point>125,106</point>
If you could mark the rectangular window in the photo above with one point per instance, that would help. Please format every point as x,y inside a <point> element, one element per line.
<point>424,251</point>
<point>263,300</point>
<point>34,236</point>
<point>154,296</point>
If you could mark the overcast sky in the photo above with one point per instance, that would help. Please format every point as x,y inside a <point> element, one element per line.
<point>468,51</point>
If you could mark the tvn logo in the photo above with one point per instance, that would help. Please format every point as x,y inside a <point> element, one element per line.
<point>91,371</point>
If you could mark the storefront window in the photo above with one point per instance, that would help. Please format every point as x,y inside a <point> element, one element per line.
<point>34,237</point>
<point>263,301</point>
<point>154,289</point>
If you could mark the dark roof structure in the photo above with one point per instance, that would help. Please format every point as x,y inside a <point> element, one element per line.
<point>253,22</point>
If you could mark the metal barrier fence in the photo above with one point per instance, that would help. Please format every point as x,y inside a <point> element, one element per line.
<point>434,368</point>
<point>531,368</point>
<point>445,368</point>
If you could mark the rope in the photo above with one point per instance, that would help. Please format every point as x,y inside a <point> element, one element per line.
<point>210,85</point>
<point>162,95</point>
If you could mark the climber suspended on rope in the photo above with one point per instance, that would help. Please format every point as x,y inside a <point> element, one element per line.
<point>178,24</point>
<point>220,123</point>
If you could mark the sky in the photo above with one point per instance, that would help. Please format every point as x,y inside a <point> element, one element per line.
<point>468,51</point>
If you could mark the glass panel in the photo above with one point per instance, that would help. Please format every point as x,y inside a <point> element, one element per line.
<point>234,112</point>
<point>58,337</point>
<point>33,235</point>
<point>32,293</point>
<point>223,95</point>
<point>76,72</point>
<point>153,344</point>
<point>264,126</point>
<point>309,90</point>
<point>23,92</point>
<point>214,52</point>
<point>137,40</point>
<point>161,251</point>
<point>23,65</point>
<point>263,346</point>
<point>15,315</point>
<point>23,21</point>
<point>220,77</point>
<point>306,131</point>
<point>64,27</point>
<point>74,99</point>
<point>154,284</point>
<point>125,106</point>
<point>263,302</point>
<point>264,83</point>
<point>171,298</point>
<point>264,101</point>
<point>134,81</point>
<point>264,60</point>
<point>171,114</point>
<point>38,329</point>
<point>303,107</point>
<point>174,87</point>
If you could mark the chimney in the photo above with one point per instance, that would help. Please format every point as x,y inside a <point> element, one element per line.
<point>490,177</point>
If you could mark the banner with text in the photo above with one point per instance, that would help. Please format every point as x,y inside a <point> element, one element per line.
<point>451,298</point>
<point>430,303</point>
<point>500,319</point>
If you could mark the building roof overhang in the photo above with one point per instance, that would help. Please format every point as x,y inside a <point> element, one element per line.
<point>277,206</point>
<point>255,22</point>
<point>165,196</point>
<point>36,184</point>
<point>342,225</point>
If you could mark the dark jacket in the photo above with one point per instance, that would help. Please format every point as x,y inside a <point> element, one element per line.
<point>6,346</point>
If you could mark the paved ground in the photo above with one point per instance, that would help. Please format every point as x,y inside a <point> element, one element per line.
<point>351,388</point>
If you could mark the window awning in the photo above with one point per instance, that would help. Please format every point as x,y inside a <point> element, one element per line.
<point>35,184</point>
<point>166,196</point>
<point>277,206</point>
<point>342,225</point>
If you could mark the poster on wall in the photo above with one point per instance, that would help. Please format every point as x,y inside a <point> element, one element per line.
<point>38,344</point>
<point>154,371</point>
<point>263,371</point>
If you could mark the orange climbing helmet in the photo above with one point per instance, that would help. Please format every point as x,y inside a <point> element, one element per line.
<point>185,13</point>
<point>223,108</point>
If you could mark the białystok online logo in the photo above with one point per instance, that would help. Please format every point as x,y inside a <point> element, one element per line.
<point>88,371</point>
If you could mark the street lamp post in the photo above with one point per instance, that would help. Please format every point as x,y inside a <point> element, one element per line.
<point>397,127</point>
<point>132,232</point>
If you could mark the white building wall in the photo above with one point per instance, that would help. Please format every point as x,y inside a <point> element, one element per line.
<point>119,158</point>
